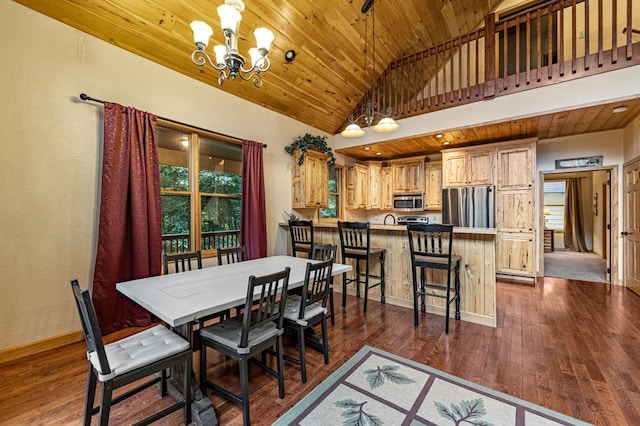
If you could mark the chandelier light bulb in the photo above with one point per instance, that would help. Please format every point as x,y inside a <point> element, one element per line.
<point>386,125</point>
<point>229,18</point>
<point>201,33</point>
<point>220,50</point>
<point>255,55</point>
<point>264,37</point>
<point>352,131</point>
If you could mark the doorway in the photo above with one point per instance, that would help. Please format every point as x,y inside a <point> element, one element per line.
<point>576,242</point>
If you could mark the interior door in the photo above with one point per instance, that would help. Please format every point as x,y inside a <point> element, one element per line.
<point>631,228</point>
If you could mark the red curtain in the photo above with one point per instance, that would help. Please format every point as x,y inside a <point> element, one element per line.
<point>130,228</point>
<point>253,222</point>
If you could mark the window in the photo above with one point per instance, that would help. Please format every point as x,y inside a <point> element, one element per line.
<point>554,204</point>
<point>332,212</point>
<point>200,211</point>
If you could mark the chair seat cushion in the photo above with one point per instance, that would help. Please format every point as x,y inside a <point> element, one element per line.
<point>229,332</point>
<point>139,350</point>
<point>292,310</point>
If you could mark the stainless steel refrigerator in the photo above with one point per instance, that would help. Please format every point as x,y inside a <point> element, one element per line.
<point>471,206</point>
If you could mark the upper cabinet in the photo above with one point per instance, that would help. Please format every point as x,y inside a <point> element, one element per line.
<point>357,183</point>
<point>310,180</point>
<point>469,166</point>
<point>516,167</point>
<point>386,188</point>
<point>374,200</point>
<point>433,181</point>
<point>408,175</point>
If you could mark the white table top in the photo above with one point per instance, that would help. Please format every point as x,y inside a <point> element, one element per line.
<point>184,297</point>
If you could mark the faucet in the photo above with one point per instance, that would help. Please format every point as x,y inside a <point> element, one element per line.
<point>392,217</point>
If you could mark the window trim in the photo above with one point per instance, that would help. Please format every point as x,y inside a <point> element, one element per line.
<point>340,193</point>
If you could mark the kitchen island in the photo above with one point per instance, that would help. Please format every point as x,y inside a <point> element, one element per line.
<point>476,247</point>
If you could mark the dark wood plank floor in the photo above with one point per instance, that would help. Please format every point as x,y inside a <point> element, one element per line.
<point>567,345</point>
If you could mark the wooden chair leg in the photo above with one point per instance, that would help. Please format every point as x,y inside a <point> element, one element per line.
<point>244,391</point>
<point>188,368</point>
<point>382,282</point>
<point>333,316</point>
<point>344,289</point>
<point>105,405</point>
<point>301,353</point>
<point>325,341</point>
<point>92,380</point>
<point>279,353</point>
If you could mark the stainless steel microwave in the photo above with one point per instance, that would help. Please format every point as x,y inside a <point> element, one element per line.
<point>408,202</point>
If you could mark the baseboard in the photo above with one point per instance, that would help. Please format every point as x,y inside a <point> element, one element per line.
<point>32,348</point>
<point>516,279</point>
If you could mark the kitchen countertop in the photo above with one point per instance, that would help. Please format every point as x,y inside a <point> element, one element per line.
<point>403,228</point>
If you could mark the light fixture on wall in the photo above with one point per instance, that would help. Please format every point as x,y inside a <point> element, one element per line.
<point>386,124</point>
<point>228,60</point>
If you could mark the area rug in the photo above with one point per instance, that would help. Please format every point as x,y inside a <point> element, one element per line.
<point>379,388</point>
<point>575,266</point>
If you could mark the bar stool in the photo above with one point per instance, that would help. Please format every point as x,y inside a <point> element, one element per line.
<point>301,237</point>
<point>355,244</point>
<point>431,248</point>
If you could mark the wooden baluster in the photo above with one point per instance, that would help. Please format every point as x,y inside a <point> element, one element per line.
<point>629,30</point>
<point>600,34</point>
<point>586,34</point>
<point>489,56</point>
<point>550,42</point>
<point>517,51</point>
<point>614,32</point>
<point>561,40</point>
<point>528,43</point>
<point>574,35</point>
<point>539,43</point>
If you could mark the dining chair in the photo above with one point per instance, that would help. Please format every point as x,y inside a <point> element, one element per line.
<point>254,332</point>
<point>355,243</point>
<point>431,247</point>
<point>231,254</point>
<point>182,261</point>
<point>149,352</point>
<point>301,232</point>
<point>326,252</point>
<point>309,309</point>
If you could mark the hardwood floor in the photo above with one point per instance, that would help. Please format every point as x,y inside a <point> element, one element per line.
<point>570,346</point>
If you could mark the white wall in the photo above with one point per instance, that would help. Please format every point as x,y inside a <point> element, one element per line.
<point>632,140</point>
<point>50,157</point>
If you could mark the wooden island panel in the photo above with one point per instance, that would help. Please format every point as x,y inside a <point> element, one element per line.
<point>477,270</point>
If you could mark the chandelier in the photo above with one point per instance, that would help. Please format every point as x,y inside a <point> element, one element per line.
<point>228,60</point>
<point>386,124</point>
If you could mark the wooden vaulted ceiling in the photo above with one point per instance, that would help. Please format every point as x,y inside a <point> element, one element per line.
<point>326,80</point>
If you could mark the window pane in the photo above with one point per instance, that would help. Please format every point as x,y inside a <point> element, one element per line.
<point>176,223</point>
<point>331,212</point>
<point>220,167</point>
<point>173,153</point>
<point>220,220</point>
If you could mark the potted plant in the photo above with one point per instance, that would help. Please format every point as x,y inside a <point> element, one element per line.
<point>314,143</point>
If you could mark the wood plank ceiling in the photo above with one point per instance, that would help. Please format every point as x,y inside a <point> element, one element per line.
<point>326,80</point>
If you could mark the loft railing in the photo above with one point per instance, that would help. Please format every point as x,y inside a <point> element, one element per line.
<point>556,41</point>
<point>177,243</point>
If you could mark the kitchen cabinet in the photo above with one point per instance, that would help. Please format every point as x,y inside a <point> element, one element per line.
<point>433,185</point>
<point>470,166</point>
<point>357,184</point>
<point>408,175</point>
<point>386,188</point>
<point>515,253</point>
<point>310,180</point>
<point>516,167</point>
<point>375,185</point>
<point>515,212</point>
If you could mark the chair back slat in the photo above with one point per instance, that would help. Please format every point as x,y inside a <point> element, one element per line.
<point>316,285</point>
<point>228,255</point>
<point>182,262</point>
<point>430,245</point>
<point>301,232</point>
<point>354,236</point>
<point>265,302</point>
<point>90,327</point>
<point>324,252</point>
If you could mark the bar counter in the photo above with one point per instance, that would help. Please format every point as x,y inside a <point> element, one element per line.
<point>476,247</point>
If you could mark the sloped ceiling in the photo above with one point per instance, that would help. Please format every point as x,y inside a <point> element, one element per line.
<point>326,80</point>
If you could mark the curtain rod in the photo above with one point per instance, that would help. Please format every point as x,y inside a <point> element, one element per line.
<point>86,97</point>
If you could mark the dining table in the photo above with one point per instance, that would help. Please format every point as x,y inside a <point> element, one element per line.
<point>181,299</point>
